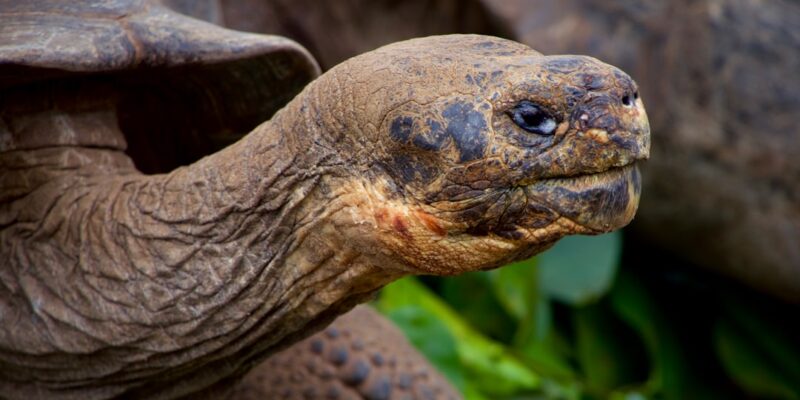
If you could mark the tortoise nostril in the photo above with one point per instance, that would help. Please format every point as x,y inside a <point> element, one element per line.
<point>636,95</point>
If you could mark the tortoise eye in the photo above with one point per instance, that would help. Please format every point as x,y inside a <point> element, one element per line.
<point>532,118</point>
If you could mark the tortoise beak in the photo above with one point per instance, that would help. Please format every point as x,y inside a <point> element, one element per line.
<point>600,202</point>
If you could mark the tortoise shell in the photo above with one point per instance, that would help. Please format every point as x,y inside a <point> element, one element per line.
<point>181,88</point>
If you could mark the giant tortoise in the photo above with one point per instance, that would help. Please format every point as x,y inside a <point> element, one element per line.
<point>131,274</point>
<point>719,76</point>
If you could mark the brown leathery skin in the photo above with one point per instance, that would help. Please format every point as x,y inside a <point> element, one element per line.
<point>162,285</point>
<point>719,78</point>
<point>481,188</point>
<point>360,356</point>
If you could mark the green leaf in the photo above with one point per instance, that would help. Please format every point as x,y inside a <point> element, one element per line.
<point>472,294</point>
<point>766,326</point>
<point>471,392</point>
<point>432,338</point>
<point>635,306</point>
<point>608,353</point>
<point>673,375</point>
<point>580,269</point>
<point>487,364</point>
<point>556,390</point>
<point>750,364</point>
<point>539,345</point>
<point>627,395</point>
<point>536,342</point>
<point>516,288</point>
<point>548,355</point>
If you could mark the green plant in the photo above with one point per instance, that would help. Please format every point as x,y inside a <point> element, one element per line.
<point>572,324</point>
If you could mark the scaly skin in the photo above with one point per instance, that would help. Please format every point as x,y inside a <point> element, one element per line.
<point>396,162</point>
<point>360,356</point>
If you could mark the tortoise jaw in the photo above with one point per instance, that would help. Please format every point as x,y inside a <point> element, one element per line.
<point>544,211</point>
<point>599,202</point>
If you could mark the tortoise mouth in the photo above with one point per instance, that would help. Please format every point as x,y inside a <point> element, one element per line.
<point>548,209</point>
<point>589,179</point>
<point>600,202</point>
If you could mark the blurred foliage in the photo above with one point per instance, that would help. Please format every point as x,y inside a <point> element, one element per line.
<point>581,321</point>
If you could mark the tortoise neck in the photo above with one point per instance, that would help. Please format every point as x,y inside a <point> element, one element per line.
<point>208,268</point>
<point>284,192</point>
<point>264,226</point>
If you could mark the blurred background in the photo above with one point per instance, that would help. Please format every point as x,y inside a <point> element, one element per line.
<point>698,298</point>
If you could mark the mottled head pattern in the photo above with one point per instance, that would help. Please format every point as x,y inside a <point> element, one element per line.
<point>481,150</point>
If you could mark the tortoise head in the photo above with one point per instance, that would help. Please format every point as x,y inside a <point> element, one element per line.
<point>481,150</point>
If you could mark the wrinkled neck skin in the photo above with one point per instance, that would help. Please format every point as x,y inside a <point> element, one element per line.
<point>177,280</point>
